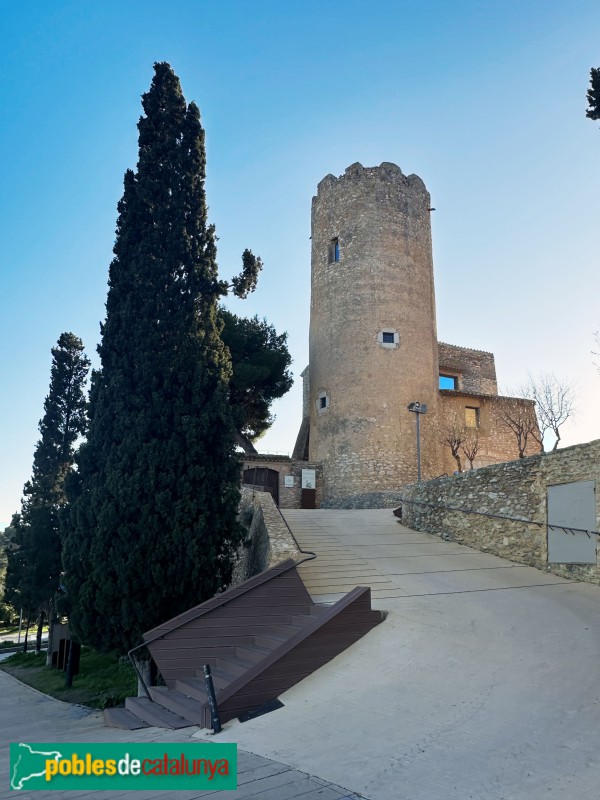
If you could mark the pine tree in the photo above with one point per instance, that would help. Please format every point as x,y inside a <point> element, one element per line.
<point>152,530</point>
<point>34,555</point>
<point>260,360</point>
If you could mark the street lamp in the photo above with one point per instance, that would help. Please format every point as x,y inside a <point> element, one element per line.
<point>418,409</point>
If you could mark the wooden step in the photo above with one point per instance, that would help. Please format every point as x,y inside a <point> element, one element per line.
<point>303,621</point>
<point>229,619</point>
<point>260,638</point>
<point>255,652</point>
<point>287,630</point>
<point>178,703</point>
<point>333,630</point>
<point>271,640</point>
<point>193,687</point>
<point>233,665</point>
<point>122,718</point>
<point>221,677</point>
<point>155,714</point>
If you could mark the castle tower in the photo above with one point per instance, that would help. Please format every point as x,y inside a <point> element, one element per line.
<point>373,342</point>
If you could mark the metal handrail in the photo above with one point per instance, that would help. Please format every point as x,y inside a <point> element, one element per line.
<point>300,550</point>
<point>503,516</point>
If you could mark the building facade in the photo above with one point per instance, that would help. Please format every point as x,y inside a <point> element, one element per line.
<point>374,349</point>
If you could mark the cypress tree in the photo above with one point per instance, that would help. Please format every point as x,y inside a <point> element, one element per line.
<point>593,95</point>
<point>34,556</point>
<point>152,528</point>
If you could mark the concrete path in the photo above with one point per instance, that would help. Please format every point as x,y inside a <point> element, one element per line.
<point>483,682</point>
<point>28,716</point>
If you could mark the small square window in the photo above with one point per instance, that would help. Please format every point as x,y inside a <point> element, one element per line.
<point>449,382</point>
<point>389,339</point>
<point>322,402</point>
<point>471,417</point>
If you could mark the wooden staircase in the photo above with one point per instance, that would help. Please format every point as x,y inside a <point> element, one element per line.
<point>260,638</point>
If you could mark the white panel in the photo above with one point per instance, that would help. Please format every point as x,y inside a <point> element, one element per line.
<point>309,478</point>
<point>572,505</point>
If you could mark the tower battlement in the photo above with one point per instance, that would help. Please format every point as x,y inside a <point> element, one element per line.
<point>385,172</point>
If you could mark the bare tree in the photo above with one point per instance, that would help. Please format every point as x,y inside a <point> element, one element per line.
<point>519,416</point>
<point>555,403</point>
<point>471,444</point>
<point>453,435</point>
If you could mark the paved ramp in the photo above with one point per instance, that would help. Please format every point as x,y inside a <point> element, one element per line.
<point>483,683</point>
<point>371,548</point>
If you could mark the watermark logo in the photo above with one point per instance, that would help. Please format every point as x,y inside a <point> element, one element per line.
<point>68,766</point>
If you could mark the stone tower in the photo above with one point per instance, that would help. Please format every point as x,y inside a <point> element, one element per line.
<point>373,341</point>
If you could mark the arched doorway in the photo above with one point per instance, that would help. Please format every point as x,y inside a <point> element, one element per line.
<point>263,478</point>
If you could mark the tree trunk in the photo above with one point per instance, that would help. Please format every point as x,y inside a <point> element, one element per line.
<point>38,636</point>
<point>245,443</point>
<point>69,670</point>
<point>26,631</point>
<point>51,623</point>
<point>457,459</point>
<point>147,669</point>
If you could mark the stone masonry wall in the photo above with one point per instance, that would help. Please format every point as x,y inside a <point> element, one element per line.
<point>497,441</point>
<point>515,489</point>
<point>301,448</point>
<point>289,496</point>
<point>268,541</point>
<point>475,369</point>
<point>305,392</point>
<point>373,341</point>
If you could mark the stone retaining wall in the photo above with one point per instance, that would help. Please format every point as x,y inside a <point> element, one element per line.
<point>514,489</point>
<point>268,541</point>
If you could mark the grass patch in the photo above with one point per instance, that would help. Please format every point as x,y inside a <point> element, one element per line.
<point>25,660</point>
<point>5,630</point>
<point>103,680</point>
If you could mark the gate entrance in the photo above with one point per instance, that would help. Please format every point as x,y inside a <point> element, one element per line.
<point>263,478</point>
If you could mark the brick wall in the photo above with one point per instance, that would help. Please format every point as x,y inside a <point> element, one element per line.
<point>515,489</point>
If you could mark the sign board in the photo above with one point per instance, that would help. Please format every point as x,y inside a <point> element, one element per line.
<point>309,479</point>
<point>288,481</point>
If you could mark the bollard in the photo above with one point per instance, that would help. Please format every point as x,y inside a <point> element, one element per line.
<point>212,699</point>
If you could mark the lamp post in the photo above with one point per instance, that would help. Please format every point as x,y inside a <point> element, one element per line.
<point>418,409</point>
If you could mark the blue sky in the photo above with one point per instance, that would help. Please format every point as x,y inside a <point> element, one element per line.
<point>484,100</point>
